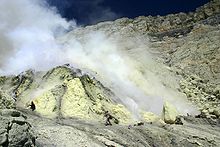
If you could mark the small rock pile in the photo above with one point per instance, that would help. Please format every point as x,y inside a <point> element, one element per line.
<point>203,94</point>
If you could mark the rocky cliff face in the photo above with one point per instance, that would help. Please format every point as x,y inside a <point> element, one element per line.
<point>183,53</point>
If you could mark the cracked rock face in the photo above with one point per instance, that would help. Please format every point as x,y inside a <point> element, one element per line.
<point>14,129</point>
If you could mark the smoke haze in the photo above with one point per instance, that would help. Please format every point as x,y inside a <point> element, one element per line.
<point>28,32</point>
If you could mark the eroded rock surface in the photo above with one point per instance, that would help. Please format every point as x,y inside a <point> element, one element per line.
<point>75,132</point>
<point>15,130</point>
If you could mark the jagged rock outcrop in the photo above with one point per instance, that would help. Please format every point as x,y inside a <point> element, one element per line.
<point>6,100</point>
<point>172,25</point>
<point>15,130</point>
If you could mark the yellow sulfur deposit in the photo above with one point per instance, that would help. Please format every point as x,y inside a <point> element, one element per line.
<point>61,93</point>
<point>150,117</point>
<point>122,114</point>
<point>169,113</point>
<point>79,97</point>
<point>46,104</point>
<point>75,101</point>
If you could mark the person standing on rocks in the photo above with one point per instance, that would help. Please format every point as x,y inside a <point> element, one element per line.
<point>109,117</point>
<point>32,106</point>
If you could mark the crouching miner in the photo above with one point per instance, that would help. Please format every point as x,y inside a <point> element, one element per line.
<point>108,118</point>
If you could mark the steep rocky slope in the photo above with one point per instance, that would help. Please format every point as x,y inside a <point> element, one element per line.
<point>187,44</point>
<point>174,56</point>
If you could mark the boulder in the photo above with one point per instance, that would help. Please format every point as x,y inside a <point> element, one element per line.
<point>169,113</point>
<point>216,112</point>
<point>15,130</point>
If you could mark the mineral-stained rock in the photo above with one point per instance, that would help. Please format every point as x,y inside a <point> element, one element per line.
<point>46,103</point>
<point>169,113</point>
<point>151,117</point>
<point>6,101</point>
<point>65,92</point>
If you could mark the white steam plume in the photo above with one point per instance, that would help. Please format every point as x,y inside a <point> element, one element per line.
<point>27,40</point>
<point>27,33</point>
<point>134,75</point>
